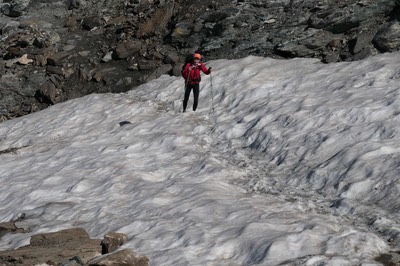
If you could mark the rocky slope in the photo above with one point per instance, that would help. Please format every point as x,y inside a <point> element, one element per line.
<point>53,51</point>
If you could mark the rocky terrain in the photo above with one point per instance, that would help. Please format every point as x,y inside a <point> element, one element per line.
<point>70,247</point>
<point>57,50</point>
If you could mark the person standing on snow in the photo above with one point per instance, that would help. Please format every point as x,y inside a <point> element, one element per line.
<point>191,74</point>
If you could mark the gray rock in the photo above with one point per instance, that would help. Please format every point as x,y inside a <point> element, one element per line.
<point>9,27</point>
<point>47,92</point>
<point>46,38</point>
<point>363,40</point>
<point>125,81</point>
<point>57,58</point>
<point>164,69</point>
<point>55,70</point>
<point>126,49</point>
<point>108,57</point>
<point>90,23</point>
<point>15,8</point>
<point>388,38</point>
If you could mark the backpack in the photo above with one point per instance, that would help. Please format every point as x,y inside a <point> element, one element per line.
<point>189,59</point>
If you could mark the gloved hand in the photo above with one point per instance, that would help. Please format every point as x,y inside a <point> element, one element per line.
<point>209,69</point>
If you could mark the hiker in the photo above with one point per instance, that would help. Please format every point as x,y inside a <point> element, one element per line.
<point>191,73</point>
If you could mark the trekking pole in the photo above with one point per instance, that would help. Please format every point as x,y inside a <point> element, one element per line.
<point>188,77</point>
<point>186,85</point>
<point>212,94</point>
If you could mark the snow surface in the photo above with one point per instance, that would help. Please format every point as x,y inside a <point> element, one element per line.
<point>289,162</point>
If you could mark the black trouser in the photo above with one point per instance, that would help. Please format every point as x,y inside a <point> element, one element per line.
<point>196,91</point>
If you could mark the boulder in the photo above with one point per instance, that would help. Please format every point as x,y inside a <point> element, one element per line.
<point>126,49</point>
<point>123,257</point>
<point>387,39</point>
<point>90,23</point>
<point>112,241</point>
<point>363,39</point>
<point>157,24</point>
<point>47,93</point>
<point>57,247</point>
<point>47,38</point>
<point>70,247</point>
<point>57,58</point>
<point>164,69</point>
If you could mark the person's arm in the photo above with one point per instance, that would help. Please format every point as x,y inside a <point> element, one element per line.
<point>205,70</point>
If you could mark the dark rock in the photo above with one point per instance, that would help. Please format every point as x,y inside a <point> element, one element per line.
<point>291,50</point>
<point>363,40</point>
<point>318,40</point>
<point>389,259</point>
<point>47,38</point>
<point>215,16</point>
<point>56,59</point>
<point>386,40</point>
<point>103,74</point>
<point>91,23</point>
<point>9,27</point>
<point>170,56</point>
<point>55,70</point>
<point>15,8</point>
<point>164,69</point>
<point>364,53</point>
<point>147,64</point>
<point>331,58</point>
<point>126,49</point>
<point>47,93</point>
<point>127,81</point>
<point>75,4</point>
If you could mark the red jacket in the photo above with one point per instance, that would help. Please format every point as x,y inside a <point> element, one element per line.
<point>191,72</point>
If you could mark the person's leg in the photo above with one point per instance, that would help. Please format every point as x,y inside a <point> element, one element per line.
<point>186,99</point>
<point>196,92</point>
